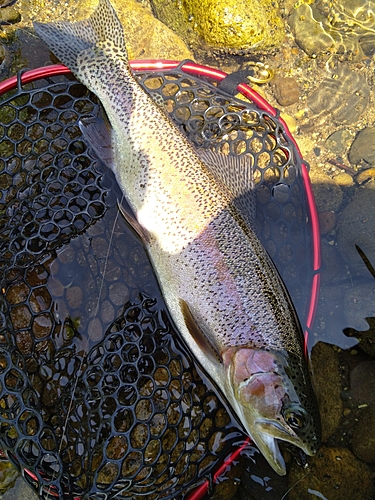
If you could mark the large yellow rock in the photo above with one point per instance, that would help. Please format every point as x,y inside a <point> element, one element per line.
<point>234,25</point>
<point>237,24</point>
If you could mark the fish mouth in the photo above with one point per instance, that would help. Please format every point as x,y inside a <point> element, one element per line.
<point>266,434</point>
<point>269,447</point>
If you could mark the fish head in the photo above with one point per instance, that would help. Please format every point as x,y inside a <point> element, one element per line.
<point>272,395</point>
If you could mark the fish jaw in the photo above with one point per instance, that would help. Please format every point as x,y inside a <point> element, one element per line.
<point>267,403</point>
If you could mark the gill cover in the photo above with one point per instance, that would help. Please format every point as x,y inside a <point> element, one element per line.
<point>269,406</point>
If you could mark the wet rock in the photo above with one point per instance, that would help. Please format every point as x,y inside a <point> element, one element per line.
<point>334,474</point>
<point>308,32</point>
<point>328,194</point>
<point>147,37</point>
<point>357,228</point>
<point>363,441</point>
<point>286,90</point>
<point>9,15</point>
<point>339,141</point>
<point>362,383</point>
<point>327,384</point>
<point>327,222</point>
<point>5,59</point>
<point>363,147</point>
<point>21,491</point>
<point>8,475</point>
<point>343,96</point>
<point>226,24</point>
<point>359,303</point>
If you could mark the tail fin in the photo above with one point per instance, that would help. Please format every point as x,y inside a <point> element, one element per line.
<point>68,40</point>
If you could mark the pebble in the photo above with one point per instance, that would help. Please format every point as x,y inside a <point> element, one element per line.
<point>339,141</point>
<point>327,222</point>
<point>363,147</point>
<point>237,25</point>
<point>286,90</point>
<point>343,179</point>
<point>8,475</point>
<point>74,297</point>
<point>357,227</point>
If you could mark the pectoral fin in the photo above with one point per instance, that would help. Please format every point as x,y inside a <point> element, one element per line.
<point>200,338</point>
<point>139,230</point>
<point>97,133</point>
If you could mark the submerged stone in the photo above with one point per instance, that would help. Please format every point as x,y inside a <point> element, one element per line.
<point>334,474</point>
<point>343,97</point>
<point>363,147</point>
<point>338,141</point>
<point>327,378</point>
<point>363,442</point>
<point>357,229</point>
<point>308,32</point>
<point>341,26</point>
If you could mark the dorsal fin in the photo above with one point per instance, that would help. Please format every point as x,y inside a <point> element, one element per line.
<point>236,174</point>
<point>200,338</point>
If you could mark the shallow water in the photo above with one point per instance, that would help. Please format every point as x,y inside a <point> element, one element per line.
<point>344,369</point>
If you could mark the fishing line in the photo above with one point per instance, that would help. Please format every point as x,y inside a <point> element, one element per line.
<point>85,347</point>
<point>295,484</point>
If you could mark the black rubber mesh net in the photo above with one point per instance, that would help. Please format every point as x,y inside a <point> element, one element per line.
<point>99,398</point>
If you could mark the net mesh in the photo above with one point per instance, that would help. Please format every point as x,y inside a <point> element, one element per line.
<point>99,398</point>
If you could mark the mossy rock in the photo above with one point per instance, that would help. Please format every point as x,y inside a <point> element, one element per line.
<point>235,25</point>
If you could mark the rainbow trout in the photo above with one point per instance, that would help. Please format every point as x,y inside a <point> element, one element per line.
<point>220,286</point>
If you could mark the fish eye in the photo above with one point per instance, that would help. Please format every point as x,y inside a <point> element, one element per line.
<point>296,418</point>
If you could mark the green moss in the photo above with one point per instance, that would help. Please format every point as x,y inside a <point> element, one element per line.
<point>237,24</point>
<point>228,24</point>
